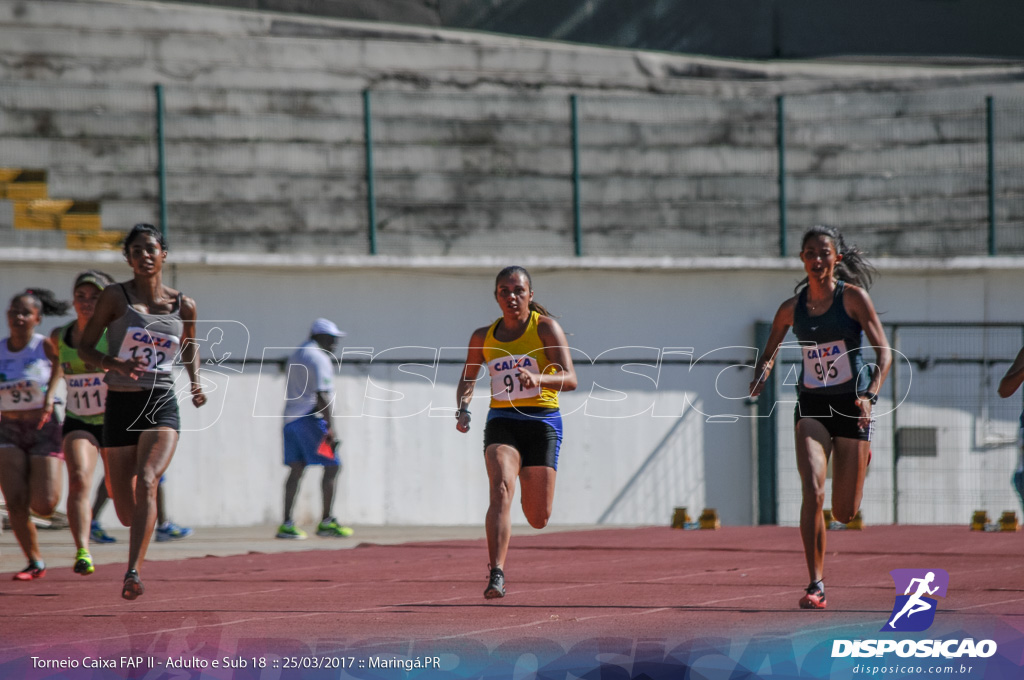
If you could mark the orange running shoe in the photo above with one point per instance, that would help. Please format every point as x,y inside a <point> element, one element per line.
<point>34,570</point>
<point>814,597</point>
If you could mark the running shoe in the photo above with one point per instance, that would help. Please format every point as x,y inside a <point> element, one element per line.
<point>98,535</point>
<point>814,598</point>
<point>169,531</point>
<point>132,587</point>
<point>83,562</point>
<point>289,530</point>
<point>330,527</point>
<point>495,585</point>
<point>32,571</point>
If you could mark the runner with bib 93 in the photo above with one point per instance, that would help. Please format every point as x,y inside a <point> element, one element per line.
<point>837,390</point>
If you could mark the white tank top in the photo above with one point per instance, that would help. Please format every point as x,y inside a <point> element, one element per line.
<point>24,375</point>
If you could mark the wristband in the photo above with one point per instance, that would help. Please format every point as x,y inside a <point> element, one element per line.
<point>460,411</point>
<point>870,396</point>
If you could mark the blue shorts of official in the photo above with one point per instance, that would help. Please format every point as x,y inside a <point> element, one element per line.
<point>305,441</point>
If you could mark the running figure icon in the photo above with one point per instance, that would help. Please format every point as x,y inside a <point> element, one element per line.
<point>916,604</point>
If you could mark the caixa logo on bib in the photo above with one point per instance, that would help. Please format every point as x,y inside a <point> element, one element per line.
<point>914,609</point>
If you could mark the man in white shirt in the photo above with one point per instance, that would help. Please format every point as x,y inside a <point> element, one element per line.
<point>309,437</point>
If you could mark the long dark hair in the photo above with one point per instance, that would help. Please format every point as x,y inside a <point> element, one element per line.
<point>853,268</point>
<point>45,301</point>
<point>512,271</point>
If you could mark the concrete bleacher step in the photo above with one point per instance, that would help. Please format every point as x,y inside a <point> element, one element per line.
<point>22,185</point>
<point>62,214</point>
<point>99,240</point>
<point>25,219</point>
<point>33,210</point>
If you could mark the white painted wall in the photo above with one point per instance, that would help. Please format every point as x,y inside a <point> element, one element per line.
<point>404,467</point>
<point>417,468</point>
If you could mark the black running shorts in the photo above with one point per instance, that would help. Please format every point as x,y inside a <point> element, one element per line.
<point>537,439</point>
<point>129,414</point>
<point>839,413</point>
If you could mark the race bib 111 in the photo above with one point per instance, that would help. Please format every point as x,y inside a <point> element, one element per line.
<point>87,394</point>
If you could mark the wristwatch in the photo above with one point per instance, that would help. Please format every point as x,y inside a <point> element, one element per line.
<point>870,396</point>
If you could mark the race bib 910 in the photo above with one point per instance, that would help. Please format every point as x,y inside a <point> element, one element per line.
<point>20,395</point>
<point>87,394</point>
<point>505,385</point>
<point>826,365</point>
<point>156,349</point>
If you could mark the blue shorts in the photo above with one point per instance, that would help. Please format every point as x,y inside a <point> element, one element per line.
<point>305,441</point>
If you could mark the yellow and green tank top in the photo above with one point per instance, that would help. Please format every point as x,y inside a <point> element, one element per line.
<point>87,393</point>
<point>503,362</point>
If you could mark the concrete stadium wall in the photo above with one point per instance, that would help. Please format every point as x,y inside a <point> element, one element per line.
<point>751,29</point>
<point>456,173</point>
<point>757,29</point>
<point>265,138</point>
<point>627,458</point>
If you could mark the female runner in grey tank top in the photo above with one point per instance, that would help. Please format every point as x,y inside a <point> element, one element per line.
<point>148,324</point>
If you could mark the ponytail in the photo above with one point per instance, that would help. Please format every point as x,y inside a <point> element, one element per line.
<point>853,267</point>
<point>45,301</point>
<point>540,309</point>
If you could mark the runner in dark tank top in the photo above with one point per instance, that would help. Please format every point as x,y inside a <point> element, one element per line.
<point>836,393</point>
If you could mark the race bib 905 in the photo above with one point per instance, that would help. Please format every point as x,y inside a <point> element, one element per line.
<point>826,365</point>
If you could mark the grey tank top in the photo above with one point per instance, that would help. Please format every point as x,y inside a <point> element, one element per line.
<point>156,338</point>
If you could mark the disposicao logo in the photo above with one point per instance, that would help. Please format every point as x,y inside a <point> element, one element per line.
<point>914,610</point>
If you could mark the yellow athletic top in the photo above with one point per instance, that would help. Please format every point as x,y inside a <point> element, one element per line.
<point>503,362</point>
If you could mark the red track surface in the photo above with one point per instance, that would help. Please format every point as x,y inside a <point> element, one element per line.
<point>568,587</point>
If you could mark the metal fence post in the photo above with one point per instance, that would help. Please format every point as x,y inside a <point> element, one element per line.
<point>161,171</point>
<point>990,128</point>
<point>780,126</point>
<point>767,439</point>
<point>371,200</point>
<point>577,227</point>
<point>894,383</point>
